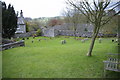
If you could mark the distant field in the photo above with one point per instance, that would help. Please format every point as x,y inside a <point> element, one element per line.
<point>50,59</point>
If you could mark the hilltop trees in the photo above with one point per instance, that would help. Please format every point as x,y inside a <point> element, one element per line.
<point>95,13</point>
<point>9,21</point>
<point>75,17</point>
<point>52,22</point>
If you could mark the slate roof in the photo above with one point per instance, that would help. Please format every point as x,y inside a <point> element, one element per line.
<point>21,21</point>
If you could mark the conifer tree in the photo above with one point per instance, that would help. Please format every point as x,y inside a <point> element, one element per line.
<point>9,21</point>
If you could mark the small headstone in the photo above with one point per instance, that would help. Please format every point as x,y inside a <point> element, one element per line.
<point>86,39</point>
<point>83,41</point>
<point>63,41</point>
<point>116,40</point>
<point>100,40</point>
<point>112,40</point>
<point>32,41</point>
<point>38,39</point>
<point>27,38</point>
<point>33,37</point>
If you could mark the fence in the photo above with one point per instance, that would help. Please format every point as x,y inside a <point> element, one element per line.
<point>12,45</point>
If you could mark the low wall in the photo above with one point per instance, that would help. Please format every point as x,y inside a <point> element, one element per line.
<point>12,45</point>
<point>22,35</point>
<point>73,33</point>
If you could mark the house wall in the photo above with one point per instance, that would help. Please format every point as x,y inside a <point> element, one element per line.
<point>48,32</point>
<point>21,25</point>
<point>22,28</point>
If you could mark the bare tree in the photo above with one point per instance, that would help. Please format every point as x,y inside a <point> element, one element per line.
<point>73,17</point>
<point>113,26</point>
<point>95,13</point>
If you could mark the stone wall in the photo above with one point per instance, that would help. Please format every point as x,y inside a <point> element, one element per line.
<point>67,30</point>
<point>75,33</point>
<point>54,32</point>
<point>22,35</point>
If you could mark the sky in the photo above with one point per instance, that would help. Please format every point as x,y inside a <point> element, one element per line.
<point>38,8</point>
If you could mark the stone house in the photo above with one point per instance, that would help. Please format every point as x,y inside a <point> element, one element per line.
<point>21,27</point>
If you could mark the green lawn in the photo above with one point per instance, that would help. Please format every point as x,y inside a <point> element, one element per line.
<point>0,64</point>
<point>50,59</point>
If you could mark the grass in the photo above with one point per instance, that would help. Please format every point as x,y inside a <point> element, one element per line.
<point>50,59</point>
<point>0,64</point>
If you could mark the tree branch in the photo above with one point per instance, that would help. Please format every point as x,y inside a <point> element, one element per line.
<point>108,19</point>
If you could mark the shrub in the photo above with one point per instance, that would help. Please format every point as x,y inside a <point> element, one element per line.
<point>27,29</point>
<point>38,33</point>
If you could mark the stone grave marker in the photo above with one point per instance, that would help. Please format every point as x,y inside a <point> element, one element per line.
<point>32,41</point>
<point>39,39</point>
<point>100,40</point>
<point>83,41</point>
<point>112,40</point>
<point>63,41</point>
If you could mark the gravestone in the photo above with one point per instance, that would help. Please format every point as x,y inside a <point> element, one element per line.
<point>63,41</point>
<point>112,40</point>
<point>39,39</point>
<point>83,41</point>
<point>27,38</point>
<point>44,39</point>
<point>86,39</point>
<point>100,40</point>
<point>33,37</point>
<point>116,40</point>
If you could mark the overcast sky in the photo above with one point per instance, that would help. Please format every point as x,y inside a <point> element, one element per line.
<point>38,8</point>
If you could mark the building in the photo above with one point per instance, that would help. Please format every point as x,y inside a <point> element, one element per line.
<point>83,30</point>
<point>21,27</point>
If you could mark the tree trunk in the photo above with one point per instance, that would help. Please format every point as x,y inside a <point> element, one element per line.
<point>91,45</point>
<point>75,35</point>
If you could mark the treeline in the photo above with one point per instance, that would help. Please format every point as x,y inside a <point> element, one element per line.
<point>9,20</point>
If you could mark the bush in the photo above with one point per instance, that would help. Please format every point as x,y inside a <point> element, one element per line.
<point>38,33</point>
<point>27,29</point>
